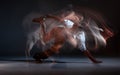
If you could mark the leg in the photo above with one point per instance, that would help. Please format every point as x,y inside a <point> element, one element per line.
<point>88,54</point>
<point>82,46</point>
<point>49,52</point>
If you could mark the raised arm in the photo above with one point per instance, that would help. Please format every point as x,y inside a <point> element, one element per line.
<point>42,18</point>
<point>54,17</point>
<point>39,20</point>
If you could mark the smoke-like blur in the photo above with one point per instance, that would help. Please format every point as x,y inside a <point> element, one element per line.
<point>91,32</point>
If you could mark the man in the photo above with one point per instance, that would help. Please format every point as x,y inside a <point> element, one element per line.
<point>68,30</point>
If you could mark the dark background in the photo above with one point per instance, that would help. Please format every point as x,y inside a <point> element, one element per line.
<point>12,13</point>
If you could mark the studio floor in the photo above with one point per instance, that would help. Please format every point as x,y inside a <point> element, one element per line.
<point>62,66</point>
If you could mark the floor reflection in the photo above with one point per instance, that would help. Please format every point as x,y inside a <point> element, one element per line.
<point>61,66</point>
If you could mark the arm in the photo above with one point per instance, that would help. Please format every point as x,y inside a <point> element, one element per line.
<point>54,17</point>
<point>39,20</point>
<point>42,18</point>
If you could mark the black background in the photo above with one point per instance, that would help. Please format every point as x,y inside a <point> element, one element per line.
<point>12,13</point>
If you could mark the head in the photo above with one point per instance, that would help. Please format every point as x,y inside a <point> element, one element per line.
<point>71,15</point>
